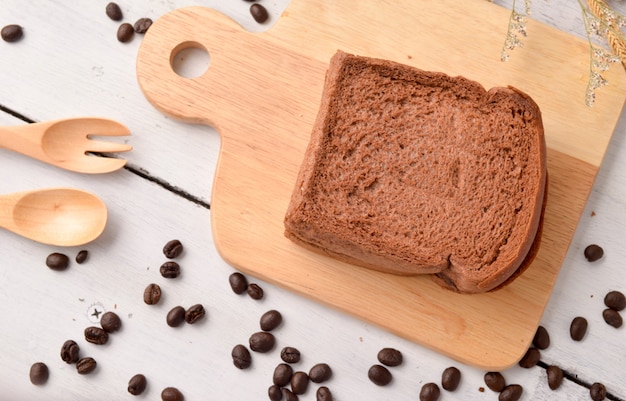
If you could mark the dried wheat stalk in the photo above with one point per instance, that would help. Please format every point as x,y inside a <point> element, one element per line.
<point>614,37</point>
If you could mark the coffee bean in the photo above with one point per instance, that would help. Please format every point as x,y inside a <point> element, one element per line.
<point>542,338</point>
<point>430,392</point>
<point>259,13</point>
<point>57,261</point>
<point>173,249</point>
<point>530,359</point>
<point>299,383</point>
<point>171,394</point>
<point>389,357</point>
<point>379,375</point>
<point>512,392</point>
<point>194,313</point>
<point>152,294</point>
<point>290,355</point>
<point>114,11</point>
<point>170,270</point>
<point>578,328</point>
<point>82,256</point>
<point>39,373</point>
<point>282,374</point>
<point>320,372</point>
<point>241,356</point>
<point>96,335</point>
<point>176,316</point>
<point>86,365</point>
<point>615,300</point>
<point>450,378</point>
<point>12,33</point>
<point>137,384</point>
<point>270,320</point>
<point>495,381</point>
<point>323,394</point>
<point>555,377</point>
<point>597,392</point>
<point>125,32</point>
<point>110,322</point>
<point>593,252</point>
<point>238,283</point>
<point>275,393</point>
<point>262,341</point>
<point>288,395</point>
<point>612,318</point>
<point>255,291</point>
<point>142,25</point>
<point>70,351</point>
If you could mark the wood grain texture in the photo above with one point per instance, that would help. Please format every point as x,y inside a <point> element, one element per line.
<point>261,93</point>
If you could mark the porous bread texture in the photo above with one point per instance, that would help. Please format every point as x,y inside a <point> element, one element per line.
<point>414,172</point>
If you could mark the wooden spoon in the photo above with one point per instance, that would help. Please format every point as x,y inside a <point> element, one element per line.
<point>54,216</point>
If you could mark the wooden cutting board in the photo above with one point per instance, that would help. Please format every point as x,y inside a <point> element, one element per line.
<point>261,92</point>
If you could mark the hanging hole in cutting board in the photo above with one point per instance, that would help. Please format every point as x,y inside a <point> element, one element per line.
<point>190,60</point>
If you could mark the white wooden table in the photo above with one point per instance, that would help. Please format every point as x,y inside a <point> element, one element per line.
<point>70,63</point>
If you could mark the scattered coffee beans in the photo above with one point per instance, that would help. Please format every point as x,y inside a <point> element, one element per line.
<point>389,357</point>
<point>176,316</point>
<point>171,394</point>
<point>194,313</point>
<point>110,322</point>
<point>615,300</point>
<point>241,356</point>
<point>430,392</point>
<point>96,335</point>
<point>39,373</point>
<point>323,394</point>
<point>114,11</point>
<point>597,392</point>
<point>379,375</point>
<point>142,25</point>
<point>593,252</point>
<point>512,392</point>
<point>288,395</point>
<point>282,375</point>
<point>12,33</point>
<point>259,13</point>
<point>70,351</point>
<point>450,378</point>
<point>152,294</point>
<point>86,365</point>
<point>612,318</point>
<point>320,372</point>
<point>555,377</point>
<point>530,359</point>
<point>173,249</point>
<point>57,261</point>
<point>290,355</point>
<point>542,338</point>
<point>81,256</point>
<point>578,328</point>
<point>170,270</point>
<point>262,341</point>
<point>137,384</point>
<point>255,291</point>
<point>238,283</point>
<point>495,381</point>
<point>299,383</point>
<point>270,320</point>
<point>125,32</point>
<point>274,393</point>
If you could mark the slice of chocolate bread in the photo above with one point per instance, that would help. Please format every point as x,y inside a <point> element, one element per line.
<point>414,172</point>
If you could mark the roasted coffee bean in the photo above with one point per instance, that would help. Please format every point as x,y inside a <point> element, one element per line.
<point>597,392</point>
<point>578,328</point>
<point>114,11</point>
<point>110,322</point>
<point>323,394</point>
<point>555,377</point>
<point>593,252</point>
<point>137,384</point>
<point>238,283</point>
<point>12,33</point>
<point>320,372</point>
<point>512,392</point>
<point>288,395</point>
<point>379,375</point>
<point>430,392</point>
<point>530,359</point>
<point>495,381</point>
<point>39,373</point>
<point>241,356</point>
<point>542,338</point>
<point>255,291</point>
<point>86,365</point>
<point>612,318</point>
<point>57,261</point>
<point>282,374</point>
<point>275,393</point>
<point>259,13</point>
<point>171,394</point>
<point>142,25</point>
<point>82,256</point>
<point>450,378</point>
<point>290,355</point>
<point>170,269</point>
<point>125,32</point>
<point>176,316</point>
<point>262,341</point>
<point>152,294</point>
<point>96,335</point>
<point>270,320</point>
<point>173,249</point>
<point>194,313</point>
<point>615,300</point>
<point>299,383</point>
<point>70,351</point>
<point>389,357</point>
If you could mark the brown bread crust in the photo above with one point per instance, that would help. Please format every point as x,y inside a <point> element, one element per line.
<point>414,172</point>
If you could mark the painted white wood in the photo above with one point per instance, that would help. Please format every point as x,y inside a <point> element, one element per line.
<point>48,75</point>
